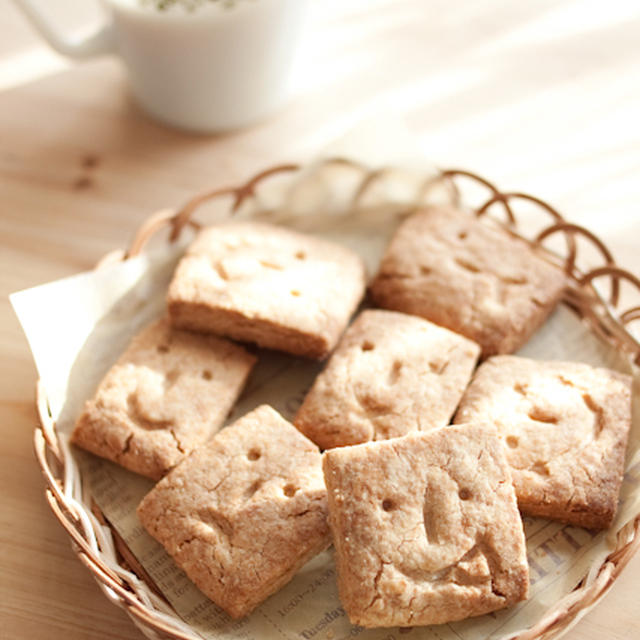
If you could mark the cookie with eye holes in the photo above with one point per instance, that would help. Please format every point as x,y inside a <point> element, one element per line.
<point>170,391</point>
<point>272,286</point>
<point>426,527</point>
<point>244,511</point>
<point>391,374</point>
<point>565,427</point>
<point>470,276</point>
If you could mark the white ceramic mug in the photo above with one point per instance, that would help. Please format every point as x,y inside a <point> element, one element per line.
<point>214,68</point>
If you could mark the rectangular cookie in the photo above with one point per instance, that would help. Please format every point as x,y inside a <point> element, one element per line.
<point>565,427</point>
<point>469,276</point>
<point>244,512</point>
<point>168,392</point>
<point>272,286</point>
<point>426,528</point>
<point>391,374</point>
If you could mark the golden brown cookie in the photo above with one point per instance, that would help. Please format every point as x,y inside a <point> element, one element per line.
<point>168,392</point>
<point>391,374</point>
<point>244,512</point>
<point>469,276</point>
<point>565,427</point>
<point>269,285</point>
<point>426,527</point>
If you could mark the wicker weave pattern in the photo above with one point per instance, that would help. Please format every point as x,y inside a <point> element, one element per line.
<point>105,555</point>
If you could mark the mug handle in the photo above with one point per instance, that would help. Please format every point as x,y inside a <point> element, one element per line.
<point>99,43</point>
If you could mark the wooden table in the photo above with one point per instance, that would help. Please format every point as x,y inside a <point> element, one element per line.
<point>541,97</point>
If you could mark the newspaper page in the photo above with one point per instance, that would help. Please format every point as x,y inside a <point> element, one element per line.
<point>92,316</point>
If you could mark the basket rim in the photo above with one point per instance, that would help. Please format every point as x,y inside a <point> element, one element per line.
<point>122,585</point>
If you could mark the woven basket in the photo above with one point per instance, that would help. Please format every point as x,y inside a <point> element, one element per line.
<point>104,553</point>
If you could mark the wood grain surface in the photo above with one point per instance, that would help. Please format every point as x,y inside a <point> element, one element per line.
<point>540,96</point>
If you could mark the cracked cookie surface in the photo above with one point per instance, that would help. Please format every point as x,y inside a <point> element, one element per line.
<point>565,427</point>
<point>469,276</point>
<point>391,374</point>
<point>168,392</point>
<point>426,527</point>
<point>269,285</point>
<point>244,512</point>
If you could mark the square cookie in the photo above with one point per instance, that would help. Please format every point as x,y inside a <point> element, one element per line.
<point>168,392</point>
<point>244,512</point>
<point>391,374</point>
<point>259,283</point>
<point>426,528</point>
<point>469,276</point>
<point>565,427</point>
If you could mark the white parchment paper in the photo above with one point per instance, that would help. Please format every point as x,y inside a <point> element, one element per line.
<point>77,327</point>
